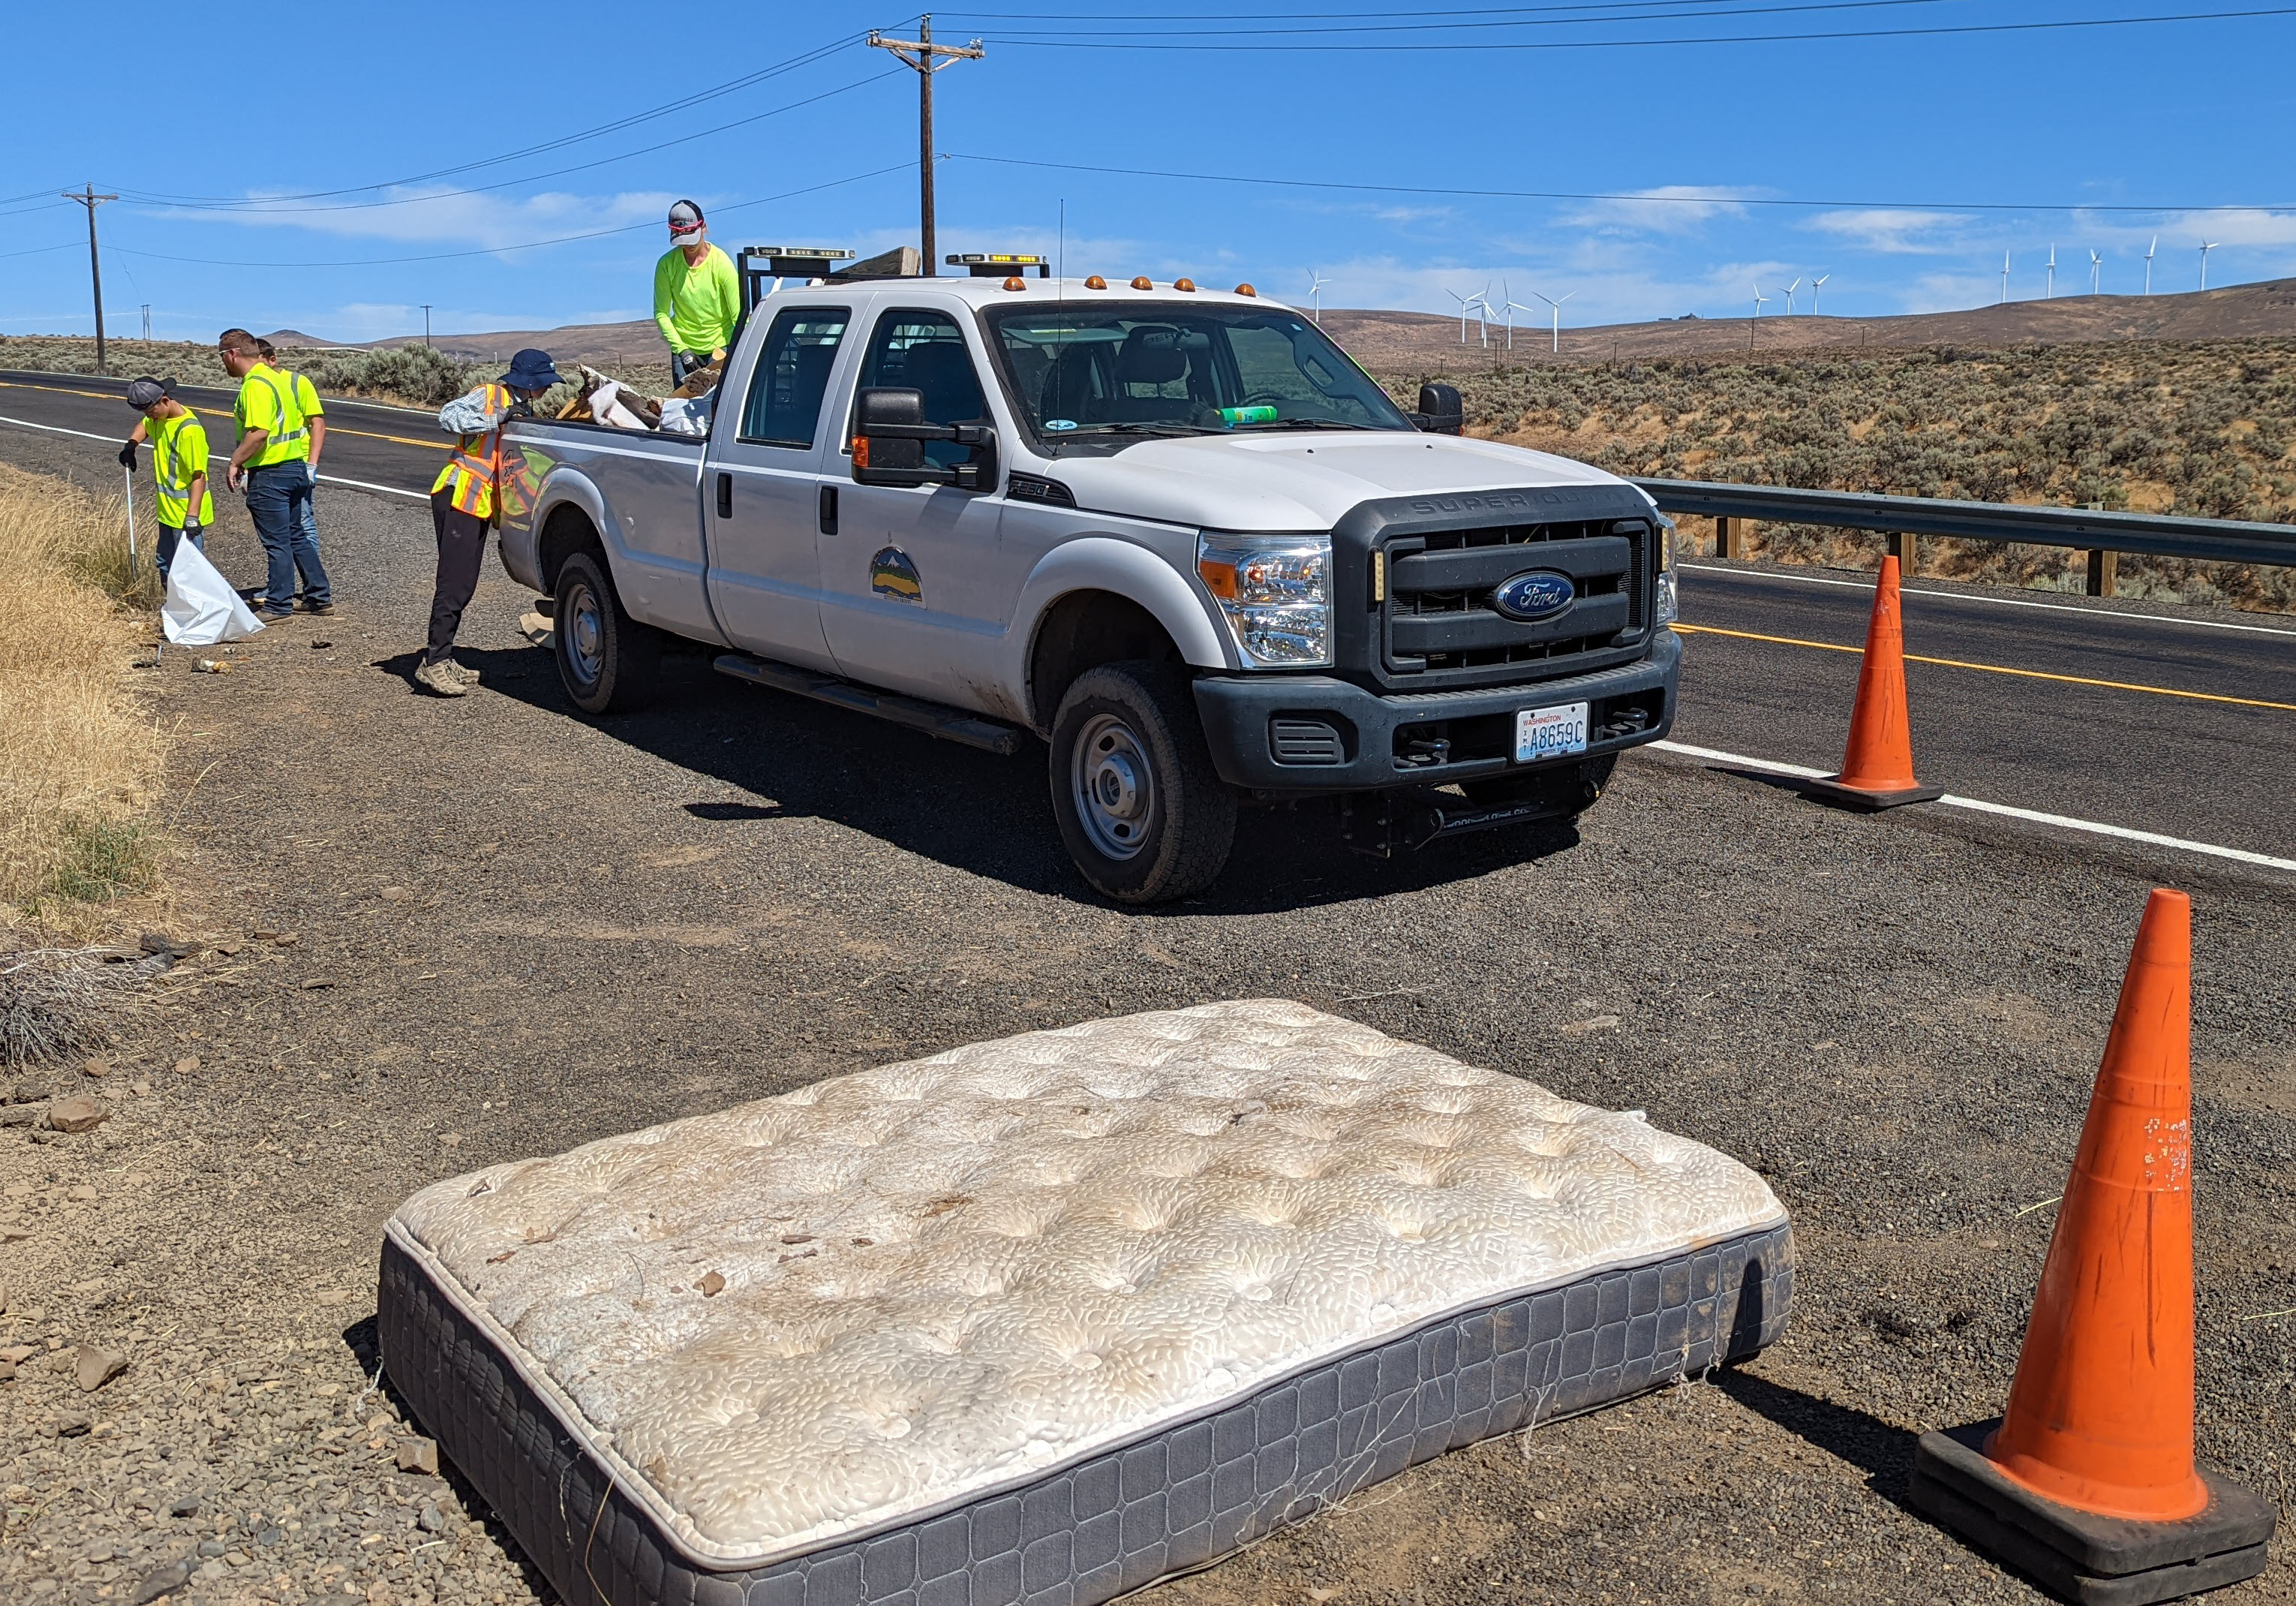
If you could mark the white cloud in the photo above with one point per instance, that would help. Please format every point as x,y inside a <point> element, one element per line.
<point>1951,293</point>
<point>1675,209</point>
<point>1894,232</point>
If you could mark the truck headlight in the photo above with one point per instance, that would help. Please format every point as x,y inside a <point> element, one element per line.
<point>1668,608</point>
<point>1275,593</point>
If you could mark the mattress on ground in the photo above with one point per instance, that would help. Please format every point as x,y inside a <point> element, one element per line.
<point>1048,1317</point>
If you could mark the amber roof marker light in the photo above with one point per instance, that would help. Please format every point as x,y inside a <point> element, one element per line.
<point>1185,286</point>
<point>1144,283</point>
<point>1096,283</point>
<point>1246,290</point>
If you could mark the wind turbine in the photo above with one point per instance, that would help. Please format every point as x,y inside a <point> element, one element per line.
<point>1316,283</point>
<point>1464,302</point>
<point>2096,272</point>
<point>1760,301</point>
<point>2148,263</point>
<point>1483,314</point>
<point>1508,309</point>
<point>1790,293</point>
<point>2004,278</point>
<point>2206,247</point>
<point>1816,285</point>
<point>2049,284</point>
<point>1557,305</point>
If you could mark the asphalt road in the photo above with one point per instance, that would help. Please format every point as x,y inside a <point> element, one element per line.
<point>2194,737</point>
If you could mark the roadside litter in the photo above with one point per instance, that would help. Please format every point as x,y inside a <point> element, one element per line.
<point>2087,1484</point>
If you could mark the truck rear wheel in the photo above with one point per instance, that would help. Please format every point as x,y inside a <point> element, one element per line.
<point>1564,792</point>
<point>1140,809</point>
<point>607,659</point>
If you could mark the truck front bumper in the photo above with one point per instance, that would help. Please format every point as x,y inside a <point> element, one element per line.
<point>1315,734</point>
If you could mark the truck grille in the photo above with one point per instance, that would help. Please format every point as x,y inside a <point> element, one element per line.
<point>1442,615</point>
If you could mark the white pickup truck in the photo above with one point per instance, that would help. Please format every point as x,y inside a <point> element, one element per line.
<point>1179,535</point>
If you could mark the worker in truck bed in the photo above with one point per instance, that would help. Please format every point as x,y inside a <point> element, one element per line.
<point>697,296</point>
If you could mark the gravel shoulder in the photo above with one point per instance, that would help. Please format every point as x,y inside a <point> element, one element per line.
<point>438,935</point>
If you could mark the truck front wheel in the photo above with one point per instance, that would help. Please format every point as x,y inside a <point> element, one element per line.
<point>1140,809</point>
<point>607,658</point>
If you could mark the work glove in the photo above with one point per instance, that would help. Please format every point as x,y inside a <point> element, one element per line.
<point>311,472</point>
<point>127,456</point>
<point>191,531</point>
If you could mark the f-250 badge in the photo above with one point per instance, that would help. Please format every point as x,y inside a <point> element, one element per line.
<point>893,575</point>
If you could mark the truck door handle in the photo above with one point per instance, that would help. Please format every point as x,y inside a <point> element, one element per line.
<point>725,495</point>
<point>828,510</point>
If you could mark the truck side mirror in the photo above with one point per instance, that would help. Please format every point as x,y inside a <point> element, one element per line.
<point>888,444</point>
<point>876,451</point>
<point>1439,410</point>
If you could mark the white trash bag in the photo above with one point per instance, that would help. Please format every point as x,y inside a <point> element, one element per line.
<point>203,608</point>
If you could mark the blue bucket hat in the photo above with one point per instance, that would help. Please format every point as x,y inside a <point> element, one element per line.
<point>530,370</point>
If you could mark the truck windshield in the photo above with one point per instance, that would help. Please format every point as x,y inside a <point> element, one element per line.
<point>1091,369</point>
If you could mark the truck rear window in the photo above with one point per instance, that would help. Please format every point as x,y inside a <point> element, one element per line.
<point>783,408</point>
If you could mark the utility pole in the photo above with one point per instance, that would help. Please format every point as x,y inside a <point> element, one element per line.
<point>928,59</point>
<point>426,322</point>
<point>91,200</point>
<point>147,321</point>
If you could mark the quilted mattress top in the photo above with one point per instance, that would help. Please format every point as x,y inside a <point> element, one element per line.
<point>822,1314</point>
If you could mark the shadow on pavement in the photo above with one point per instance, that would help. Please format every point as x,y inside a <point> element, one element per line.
<point>1884,1454</point>
<point>783,757</point>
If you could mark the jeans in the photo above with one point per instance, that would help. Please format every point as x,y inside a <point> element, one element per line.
<point>169,534</point>
<point>279,502</point>
<point>462,550</point>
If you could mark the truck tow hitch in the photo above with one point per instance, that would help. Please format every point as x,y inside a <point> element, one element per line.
<point>1377,823</point>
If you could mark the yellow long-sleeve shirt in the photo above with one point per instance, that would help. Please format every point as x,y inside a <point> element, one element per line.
<point>696,307</point>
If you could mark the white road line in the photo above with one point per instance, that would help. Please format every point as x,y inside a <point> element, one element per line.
<point>1979,806</point>
<point>391,490</point>
<point>1997,601</point>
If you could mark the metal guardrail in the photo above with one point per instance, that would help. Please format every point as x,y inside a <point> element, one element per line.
<point>1735,507</point>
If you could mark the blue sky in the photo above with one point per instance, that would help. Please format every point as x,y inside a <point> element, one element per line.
<point>1911,162</point>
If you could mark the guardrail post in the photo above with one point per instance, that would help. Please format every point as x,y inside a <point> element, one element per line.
<point>1901,547</point>
<point>1732,536</point>
<point>2103,570</point>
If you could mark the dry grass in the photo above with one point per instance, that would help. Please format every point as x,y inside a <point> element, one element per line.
<point>80,756</point>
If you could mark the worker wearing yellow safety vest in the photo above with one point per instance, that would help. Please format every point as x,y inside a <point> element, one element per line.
<point>468,496</point>
<point>697,295</point>
<point>273,459</point>
<point>307,397</point>
<point>179,462</point>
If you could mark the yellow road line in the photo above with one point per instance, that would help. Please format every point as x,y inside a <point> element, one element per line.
<point>333,428</point>
<point>1956,663</point>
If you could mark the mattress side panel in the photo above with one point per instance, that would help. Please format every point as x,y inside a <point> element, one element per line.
<point>1184,1496</point>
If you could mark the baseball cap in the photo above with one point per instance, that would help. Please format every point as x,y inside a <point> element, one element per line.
<point>145,392</point>
<point>684,217</point>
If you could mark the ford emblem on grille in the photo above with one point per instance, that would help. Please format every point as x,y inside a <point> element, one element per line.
<point>1541,594</point>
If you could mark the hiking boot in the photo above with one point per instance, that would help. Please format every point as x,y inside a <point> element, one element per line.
<point>320,609</point>
<point>441,678</point>
<point>462,672</point>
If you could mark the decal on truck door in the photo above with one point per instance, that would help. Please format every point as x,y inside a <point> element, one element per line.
<point>891,574</point>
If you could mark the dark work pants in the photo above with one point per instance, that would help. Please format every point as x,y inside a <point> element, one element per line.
<point>461,549</point>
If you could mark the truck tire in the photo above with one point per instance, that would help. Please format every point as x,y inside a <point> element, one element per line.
<point>1140,809</point>
<point>1566,791</point>
<point>607,659</point>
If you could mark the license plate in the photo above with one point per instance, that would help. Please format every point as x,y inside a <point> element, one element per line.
<point>1550,732</point>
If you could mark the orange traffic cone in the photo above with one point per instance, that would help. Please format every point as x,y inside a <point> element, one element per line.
<point>1877,772</point>
<point>2088,1483</point>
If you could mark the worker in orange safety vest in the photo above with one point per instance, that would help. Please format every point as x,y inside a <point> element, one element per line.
<point>466,500</point>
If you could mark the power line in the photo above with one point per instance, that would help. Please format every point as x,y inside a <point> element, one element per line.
<point>1090,42</point>
<point>491,250</point>
<point>1472,22</point>
<point>1661,200</point>
<point>257,206</point>
<point>89,199</point>
<point>730,87</point>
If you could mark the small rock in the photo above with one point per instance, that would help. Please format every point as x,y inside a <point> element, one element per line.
<point>428,1520</point>
<point>331,1296</point>
<point>1597,1023</point>
<point>95,1367</point>
<point>317,982</point>
<point>83,1194</point>
<point>318,644</point>
<point>76,1114</point>
<point>211,1547</point>
<point>96,1069</point>
<point>396,895</point>
<point>446,1140</point>
<point>711,1284</point>
<point>284,939</point>
<point>140,1088</point>
<point>163,1580</point>
<point>18,1115</point>
<point>155,942</point>
<point>31,1090</point>
<point>183,1505</point>
<point>270,1534</point>
<point>7,1372</point>
<point>418,1455</point>
<point>185,1067</point>
<point>73,1427</point>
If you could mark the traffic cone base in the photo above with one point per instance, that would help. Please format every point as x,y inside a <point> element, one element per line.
<point>2079,1555</point>
<point>1831,790</point>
